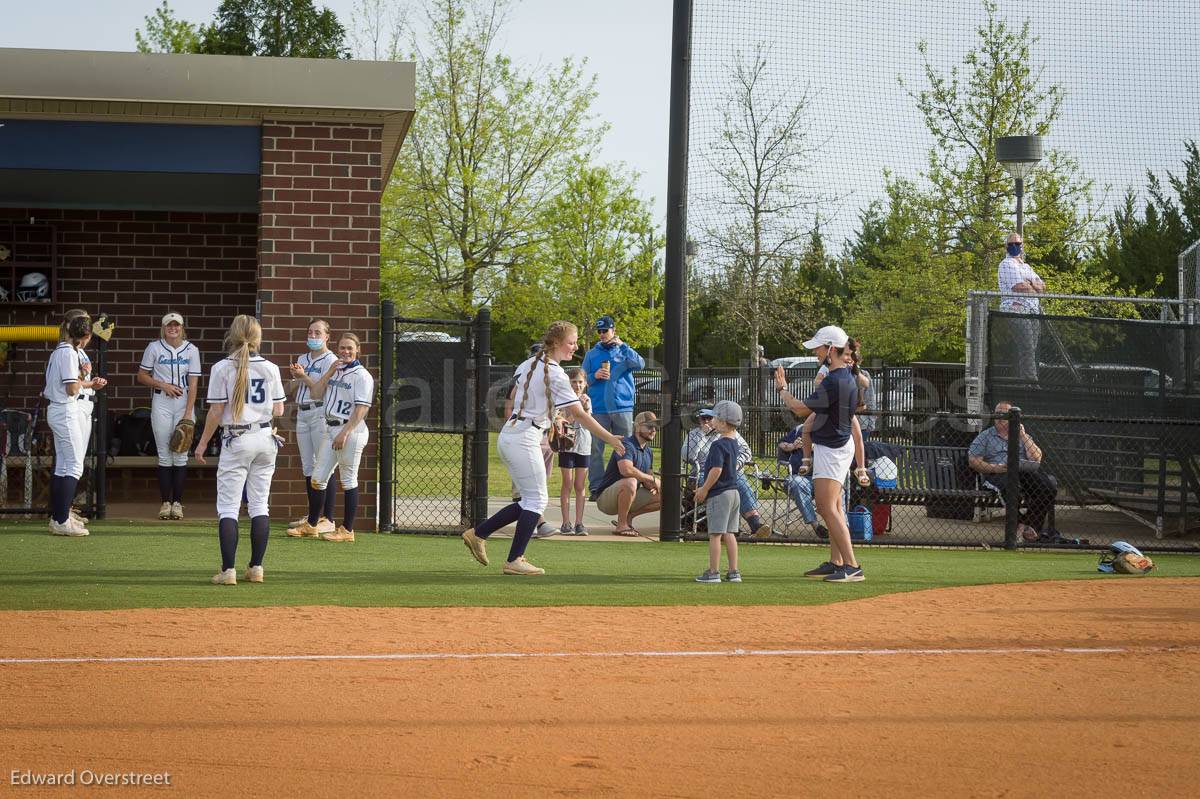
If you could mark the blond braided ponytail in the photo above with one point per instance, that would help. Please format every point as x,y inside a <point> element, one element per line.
<point>556,334</point>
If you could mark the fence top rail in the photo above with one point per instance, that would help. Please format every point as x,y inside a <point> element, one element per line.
<point>417,320</point>
<point>1082,297</point>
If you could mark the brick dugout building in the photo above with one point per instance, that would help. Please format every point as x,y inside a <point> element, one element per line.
<point>210,185</point>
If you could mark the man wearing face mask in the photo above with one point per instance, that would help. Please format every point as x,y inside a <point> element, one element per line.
<point>1015,277</point>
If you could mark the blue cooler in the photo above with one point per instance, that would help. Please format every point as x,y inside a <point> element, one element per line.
<point>860,523</point>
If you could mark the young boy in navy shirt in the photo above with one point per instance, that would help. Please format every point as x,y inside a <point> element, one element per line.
<point>719,494</point>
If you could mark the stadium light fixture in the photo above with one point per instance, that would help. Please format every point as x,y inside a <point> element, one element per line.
<point>1019,155</point>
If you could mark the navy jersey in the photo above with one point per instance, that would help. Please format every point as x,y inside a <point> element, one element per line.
<point>833,404</point>
<point>723,455</point>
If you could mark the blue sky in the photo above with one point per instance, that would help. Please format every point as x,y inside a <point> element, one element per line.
<point>1131,72</point>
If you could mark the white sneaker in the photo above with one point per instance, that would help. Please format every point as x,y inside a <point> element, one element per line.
<point>227,577</point>
<point>164,511</point>
<point>296,523</point>
<point>522,567</point>
<point>79,526</point>
<point>176,510</point>
<point>324,525</point>
<point>67,528</point>
<point>254,574</point>
<point>79,517</point>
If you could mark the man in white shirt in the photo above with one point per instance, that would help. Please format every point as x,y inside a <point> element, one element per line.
<point>1018,280</point>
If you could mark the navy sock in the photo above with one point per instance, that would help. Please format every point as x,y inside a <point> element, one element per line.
<point>164,483</point>
<point>526,524</point>
<point>65,497</point>
<point>260,530</point>
<point>351,507</point>
<point>501,518</point>
<point>56,492</point>
<point>227,531</point>
<point>178,473</point>
<point>316,498</point>
<point>331,501</point>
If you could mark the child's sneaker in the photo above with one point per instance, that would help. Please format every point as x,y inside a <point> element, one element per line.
<point>824,570</point>
<point>733,577</point>
<point>581,529</point>
<point>566,529</point>
<point>709,577</point>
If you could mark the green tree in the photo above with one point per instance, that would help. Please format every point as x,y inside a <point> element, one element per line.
<point>1141,245</point>
<point>166,34</point>
<point>942,235</point>
<point>597,255</point>
<point>491,146</point>
<point>760,157</point>
<point>292,28</point>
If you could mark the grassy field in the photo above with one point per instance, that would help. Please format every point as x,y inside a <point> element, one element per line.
<point>428,463</point>
<point>168,565</point>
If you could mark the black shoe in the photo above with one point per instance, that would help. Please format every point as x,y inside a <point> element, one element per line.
<point>822,532</point>
<point>593,498</point>
<point>824,570</point>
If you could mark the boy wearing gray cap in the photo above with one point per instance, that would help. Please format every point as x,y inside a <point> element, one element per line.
<point>719,494</point>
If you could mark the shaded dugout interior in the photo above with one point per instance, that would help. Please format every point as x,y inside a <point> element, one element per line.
<point>209,185</point>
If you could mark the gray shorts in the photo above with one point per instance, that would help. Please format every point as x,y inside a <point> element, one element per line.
<point>723,513</point>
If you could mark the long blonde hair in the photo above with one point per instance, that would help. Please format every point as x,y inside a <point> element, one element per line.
<point>243,338</point>
<point>556,334</point>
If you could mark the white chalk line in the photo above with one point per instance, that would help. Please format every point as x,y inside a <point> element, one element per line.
<point>700,653</point>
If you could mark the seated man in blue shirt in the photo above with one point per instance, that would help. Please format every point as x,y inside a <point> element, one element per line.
<point>629,487</point>
<point>799,487</point>
<point>988,455</point>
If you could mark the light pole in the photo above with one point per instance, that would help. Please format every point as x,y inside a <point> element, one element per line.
<point>691,250</point>
<point>1019,155</point>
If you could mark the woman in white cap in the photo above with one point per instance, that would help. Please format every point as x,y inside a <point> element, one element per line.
<point>171,367</point>
<point>833,403</point>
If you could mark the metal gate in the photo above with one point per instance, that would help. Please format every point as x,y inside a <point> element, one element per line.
<point>433,443</point>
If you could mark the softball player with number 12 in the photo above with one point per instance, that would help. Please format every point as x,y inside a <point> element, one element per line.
<point>245,393</point>
<point>347,390</point>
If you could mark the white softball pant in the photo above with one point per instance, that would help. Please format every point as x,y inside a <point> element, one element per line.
<point>521,452</point>
<point>345,460</point>
<point>63,418</point>
<point>85,421</point>
<point>310,435</point>
<point>247,460</point>
<point>165,413</point>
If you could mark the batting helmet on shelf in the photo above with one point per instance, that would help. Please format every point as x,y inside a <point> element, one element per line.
<point>35,287</point>
<point>1124,558</point>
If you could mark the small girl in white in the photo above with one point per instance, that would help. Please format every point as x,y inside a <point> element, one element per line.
<point>574,462</point>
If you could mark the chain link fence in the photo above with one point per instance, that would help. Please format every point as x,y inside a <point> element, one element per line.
<point>433,450</point>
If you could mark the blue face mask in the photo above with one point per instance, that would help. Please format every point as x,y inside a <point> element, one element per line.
<point>316,343</point>
<point>1014,249</point>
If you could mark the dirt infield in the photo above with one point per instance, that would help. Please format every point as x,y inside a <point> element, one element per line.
<point>934,715</point>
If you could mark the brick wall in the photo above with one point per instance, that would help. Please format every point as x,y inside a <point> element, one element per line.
<point>318,255</point>
<point>136,265</point>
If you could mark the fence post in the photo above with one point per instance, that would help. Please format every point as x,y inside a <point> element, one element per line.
<point>387,441</point>
<point>100,442</point>
<point>1012,487</point>
<point>483,380</point>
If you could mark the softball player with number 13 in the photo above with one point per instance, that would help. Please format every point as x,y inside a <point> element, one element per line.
<point>245,393</point>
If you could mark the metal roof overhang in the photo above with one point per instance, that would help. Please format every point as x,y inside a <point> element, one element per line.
<point>184,91</point>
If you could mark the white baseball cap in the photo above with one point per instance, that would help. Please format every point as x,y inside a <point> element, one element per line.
<point>172,317</point>
<point>828,336</point>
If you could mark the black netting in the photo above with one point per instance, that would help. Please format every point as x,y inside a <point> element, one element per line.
<point>1093,366</point>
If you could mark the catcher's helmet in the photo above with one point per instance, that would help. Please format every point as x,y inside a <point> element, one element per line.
<point>35,287</point>
<point>1125,558</point>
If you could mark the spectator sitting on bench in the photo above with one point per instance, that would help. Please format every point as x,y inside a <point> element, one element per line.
<point>628,486</point>
<point>799,486</point>
<point>988,455</point>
